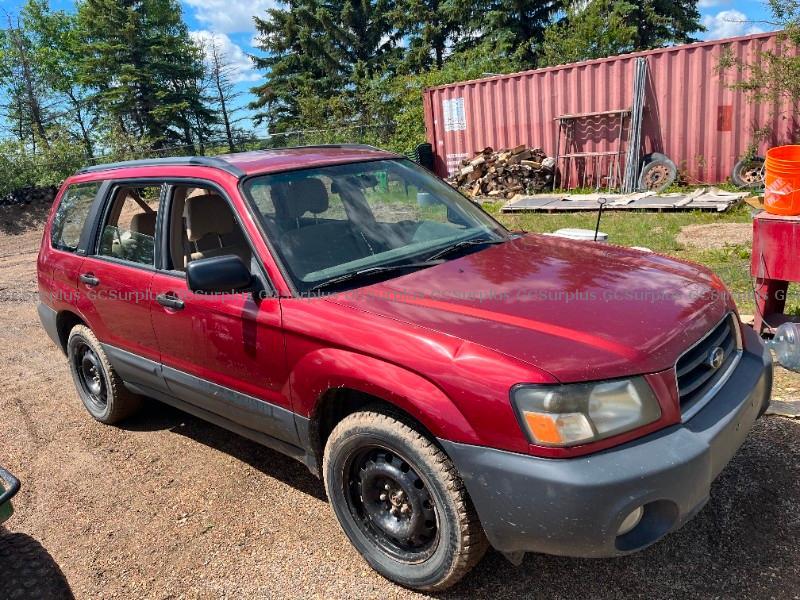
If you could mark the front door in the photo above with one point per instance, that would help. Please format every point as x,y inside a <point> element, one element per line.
<point>223,353</point>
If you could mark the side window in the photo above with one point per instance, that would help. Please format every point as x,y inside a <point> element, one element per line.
<point>202,225</point>
<point>71,215</point>
<point>129,226</point>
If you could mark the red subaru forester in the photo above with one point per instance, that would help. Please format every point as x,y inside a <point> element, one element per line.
<point>457,385</point>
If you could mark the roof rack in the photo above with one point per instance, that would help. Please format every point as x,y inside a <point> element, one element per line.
<point>176,161</point>
<point>206,161</point>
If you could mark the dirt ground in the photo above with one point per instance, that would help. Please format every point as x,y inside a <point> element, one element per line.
<point>168,506</point>
<point>715,236</point>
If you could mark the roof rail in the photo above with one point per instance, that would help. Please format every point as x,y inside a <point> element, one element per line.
<point>176,161</point>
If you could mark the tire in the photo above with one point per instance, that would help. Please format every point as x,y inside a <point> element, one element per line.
<point>99,386</point>
<point>748,173</point>
<point>655,156</point>
<point>658,173</point>
<point>438,537</point>
<point>27,571</point>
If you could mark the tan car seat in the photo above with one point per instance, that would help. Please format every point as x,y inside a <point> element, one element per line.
<point>212,230</point>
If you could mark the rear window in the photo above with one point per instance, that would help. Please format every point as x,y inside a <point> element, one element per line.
<point>71,215</point>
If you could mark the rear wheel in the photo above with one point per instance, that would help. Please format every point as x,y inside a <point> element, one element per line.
<point>401,502</point>
<point>100,388</point>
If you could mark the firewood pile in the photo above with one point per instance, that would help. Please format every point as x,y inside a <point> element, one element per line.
<point>504,173</point>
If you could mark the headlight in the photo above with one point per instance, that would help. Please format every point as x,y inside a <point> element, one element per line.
<point>567,415</point>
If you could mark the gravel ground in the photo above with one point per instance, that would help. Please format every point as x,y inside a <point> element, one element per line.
<point>168,506</point>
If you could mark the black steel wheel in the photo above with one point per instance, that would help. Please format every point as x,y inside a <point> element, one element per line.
<point>90,376</point>
<point>99,386</point>
<point>389,500</point>
<point>400,501</point>
<point>748,173</point>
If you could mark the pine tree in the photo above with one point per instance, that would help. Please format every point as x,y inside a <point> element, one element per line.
<point>320,55</point>
<point>431,28</point>
<point>143,66</point>
<point>516,24</point>
<point>298,61</point>
<point>662,22</point>
<point>608,27</point>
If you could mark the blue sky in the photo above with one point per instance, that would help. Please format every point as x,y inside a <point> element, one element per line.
<point>231,23</point>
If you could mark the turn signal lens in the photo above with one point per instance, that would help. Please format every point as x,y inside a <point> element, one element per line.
<point>558,430</point>
<point>567,415</point>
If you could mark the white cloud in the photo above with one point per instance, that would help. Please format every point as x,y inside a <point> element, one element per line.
<point>241,65</point>
<point>728,23</point>
<point>229,16</point>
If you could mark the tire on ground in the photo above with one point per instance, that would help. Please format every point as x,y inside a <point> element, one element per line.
<point>120,402</point>
<point>748,173</point>
<point>461,542</point>
<point>658,173</point>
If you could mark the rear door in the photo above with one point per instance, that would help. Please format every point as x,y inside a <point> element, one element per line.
<point>116,278</point>
<point>59,265</point>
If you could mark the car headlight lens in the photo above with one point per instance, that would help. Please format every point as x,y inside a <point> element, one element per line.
<point>568,415</point>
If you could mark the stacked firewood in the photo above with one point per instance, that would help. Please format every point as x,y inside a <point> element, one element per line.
<point>505,173</point>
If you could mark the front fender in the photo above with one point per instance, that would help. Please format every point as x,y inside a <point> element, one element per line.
<point>330,368</point>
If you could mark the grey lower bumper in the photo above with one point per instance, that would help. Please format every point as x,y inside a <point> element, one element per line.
<point>574,507</point>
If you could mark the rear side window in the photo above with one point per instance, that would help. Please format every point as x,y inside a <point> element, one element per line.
<point>71,215</point>
<point>129,228</point>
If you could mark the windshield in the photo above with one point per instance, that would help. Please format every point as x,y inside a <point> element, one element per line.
<point>329,222</point>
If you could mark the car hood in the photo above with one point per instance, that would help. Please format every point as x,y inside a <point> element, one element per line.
<point>579,310</point>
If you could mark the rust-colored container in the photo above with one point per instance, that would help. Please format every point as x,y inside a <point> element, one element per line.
<point>691,113</point>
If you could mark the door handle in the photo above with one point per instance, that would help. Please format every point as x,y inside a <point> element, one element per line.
<point>89,279</point>
<point>170,300</point>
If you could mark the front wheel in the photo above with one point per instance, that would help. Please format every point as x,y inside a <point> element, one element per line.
<point>401,502</point>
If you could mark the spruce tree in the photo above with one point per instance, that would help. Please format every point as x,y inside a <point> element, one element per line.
<point>298,61</point>
<point>143,66</point>
<point>608,27</point>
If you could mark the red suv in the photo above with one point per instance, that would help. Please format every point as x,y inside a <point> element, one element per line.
<point>457,385</point>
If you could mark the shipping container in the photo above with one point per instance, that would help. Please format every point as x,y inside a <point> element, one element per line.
<point>692,114</point>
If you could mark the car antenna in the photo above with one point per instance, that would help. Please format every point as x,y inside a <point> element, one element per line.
<point>602,202</point>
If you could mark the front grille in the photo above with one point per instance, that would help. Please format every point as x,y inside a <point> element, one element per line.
<point>698,374</point>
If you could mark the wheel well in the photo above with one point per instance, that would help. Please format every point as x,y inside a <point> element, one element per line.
<point>65,321</point>
<point>338,403</point>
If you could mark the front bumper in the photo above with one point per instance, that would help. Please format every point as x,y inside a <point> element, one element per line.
<point>574,507</point>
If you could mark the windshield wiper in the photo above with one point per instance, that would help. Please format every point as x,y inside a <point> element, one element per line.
<point>462,244</point>
<point>372,271</point>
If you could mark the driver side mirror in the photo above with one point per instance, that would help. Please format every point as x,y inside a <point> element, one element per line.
<point>219,275</point>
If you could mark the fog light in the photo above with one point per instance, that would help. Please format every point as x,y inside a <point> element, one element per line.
<point>631,521</point>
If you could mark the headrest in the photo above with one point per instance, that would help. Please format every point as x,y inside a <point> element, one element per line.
<point>144,223</point>
<point>207,214</point>
<point>306,195</point>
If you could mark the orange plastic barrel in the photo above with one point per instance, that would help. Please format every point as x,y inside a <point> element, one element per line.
<point>782,180</point>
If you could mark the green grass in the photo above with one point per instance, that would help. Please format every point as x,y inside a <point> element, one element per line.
<point>658,232</point>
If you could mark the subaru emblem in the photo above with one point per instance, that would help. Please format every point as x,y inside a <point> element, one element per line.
<point>715,358</point>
